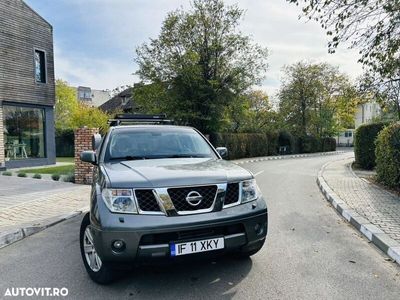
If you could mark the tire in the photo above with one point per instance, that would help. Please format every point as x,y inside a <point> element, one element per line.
<point>100,272</point>
<point>246,253</point>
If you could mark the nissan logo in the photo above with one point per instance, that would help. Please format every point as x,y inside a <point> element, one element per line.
<point>194,198</point>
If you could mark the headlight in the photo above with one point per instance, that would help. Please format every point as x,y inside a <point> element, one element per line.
<point>250,190</point>
<point>119,200</point>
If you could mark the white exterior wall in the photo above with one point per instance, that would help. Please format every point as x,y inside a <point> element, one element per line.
<point>100,97</point>
<point>366,113</point>
<point>97,97</point>
<point>345,138</point>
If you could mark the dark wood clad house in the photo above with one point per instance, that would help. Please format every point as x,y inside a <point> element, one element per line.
<point>27,87</point>
<point>121,102</point>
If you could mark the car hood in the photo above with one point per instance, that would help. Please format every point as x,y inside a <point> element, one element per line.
<point>154,173</point>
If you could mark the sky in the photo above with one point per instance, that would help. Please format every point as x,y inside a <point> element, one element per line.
<point>95,40</point>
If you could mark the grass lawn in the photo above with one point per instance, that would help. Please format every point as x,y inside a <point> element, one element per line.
<point>61,170</point>
<point>65,159</point>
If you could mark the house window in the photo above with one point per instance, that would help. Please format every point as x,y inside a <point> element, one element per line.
<point>125,100</point>
<point>23,132</point>
<point>40,66</point>
<point>348,134</point>
<point>84,93</point>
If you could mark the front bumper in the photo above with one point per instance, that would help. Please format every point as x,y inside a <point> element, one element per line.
<point>149,237</point>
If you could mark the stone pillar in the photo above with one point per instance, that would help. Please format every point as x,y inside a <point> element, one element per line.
<point>83,141</point>
<point>2,154</point>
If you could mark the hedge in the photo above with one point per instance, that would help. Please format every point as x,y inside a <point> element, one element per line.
<point>364,144</point>
<point>286,139</point>
<point>273,141</point>
<point>309,144</point>
<point>388,156</point>
<point>241,145</point>
<point>65,143</point>
<point>328,144</point>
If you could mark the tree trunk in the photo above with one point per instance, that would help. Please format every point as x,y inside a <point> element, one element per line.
<point>398,111</point>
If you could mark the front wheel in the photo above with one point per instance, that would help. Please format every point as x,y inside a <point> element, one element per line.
<point>98,270</point>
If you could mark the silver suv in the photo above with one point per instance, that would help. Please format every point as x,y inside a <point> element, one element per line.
<point>162,191</point>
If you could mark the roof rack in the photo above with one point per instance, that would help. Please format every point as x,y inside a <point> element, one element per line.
<point>119,119</point>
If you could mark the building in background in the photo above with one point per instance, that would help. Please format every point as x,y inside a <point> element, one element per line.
<point>121,102</point>
<point>345,138</point>
<point>27,87</point>
<point>92,97</point>
<point>366,113</point>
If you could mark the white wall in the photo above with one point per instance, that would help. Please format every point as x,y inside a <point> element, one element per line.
<point>345,138</point>
<point>366,113</point>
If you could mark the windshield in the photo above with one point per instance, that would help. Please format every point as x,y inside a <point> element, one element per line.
<point>156,143</point>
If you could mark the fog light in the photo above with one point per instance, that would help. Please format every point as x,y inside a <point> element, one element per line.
<point>118,245</point>
<point>259,229</point>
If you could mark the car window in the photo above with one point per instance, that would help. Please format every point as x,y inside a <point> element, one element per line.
<point>157,144</point>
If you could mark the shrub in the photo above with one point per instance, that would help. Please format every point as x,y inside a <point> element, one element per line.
<point>285,138</point>
<point>364,144</point>
<point>64,142</point>
<point>69,178</point>
<point>37,176</point>
<point>7,173</point>
<point>241,144</point>
<point>55,177</point>
<point>273,143</point>
<point>388,156</point>
<point>308,144</point>
<point>22,174</point>
<point>328,144</point>
<point>256,145</point>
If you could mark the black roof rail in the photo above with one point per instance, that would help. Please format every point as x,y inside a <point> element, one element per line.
<point>119,119</point>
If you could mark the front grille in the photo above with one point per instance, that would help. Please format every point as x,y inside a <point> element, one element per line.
<point>232,193</point>
<point>178,197</point>
<point>204,233</point>
<point>146,200</point>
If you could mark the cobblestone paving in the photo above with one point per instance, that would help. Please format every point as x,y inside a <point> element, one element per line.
<point>27,201</point>
<point>380,207</point>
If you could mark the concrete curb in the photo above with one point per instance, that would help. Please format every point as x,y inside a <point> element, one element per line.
<point>290,156</point>
<point>370,231</point>
<point>9,237</point>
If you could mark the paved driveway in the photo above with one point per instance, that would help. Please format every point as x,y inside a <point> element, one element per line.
<point>15,190</point>
<point>27,200</point>
<point>310,253</point>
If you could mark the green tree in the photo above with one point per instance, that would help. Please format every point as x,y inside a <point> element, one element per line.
<point>152,98</point>
<point>316,99</point>
<point>371,26</point>
<point>386,91</point>
<point>89,116</point>
<point>70,113</point>
<point>200,63</point>
<point>66,104</point>
<point>251,112</point>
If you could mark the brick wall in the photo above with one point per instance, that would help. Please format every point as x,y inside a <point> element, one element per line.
<point>1,138</point>
<point>83,141</point>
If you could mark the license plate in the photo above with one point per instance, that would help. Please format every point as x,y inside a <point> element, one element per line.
<point>196,246</point>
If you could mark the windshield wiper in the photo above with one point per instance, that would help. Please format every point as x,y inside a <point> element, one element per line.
<point>185,156</point>
<point>128,157</point>
<point>131,157</point>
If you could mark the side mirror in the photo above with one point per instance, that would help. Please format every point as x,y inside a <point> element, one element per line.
<point>222,151</point>
<point>96,141</point>
<point>88,156</point>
